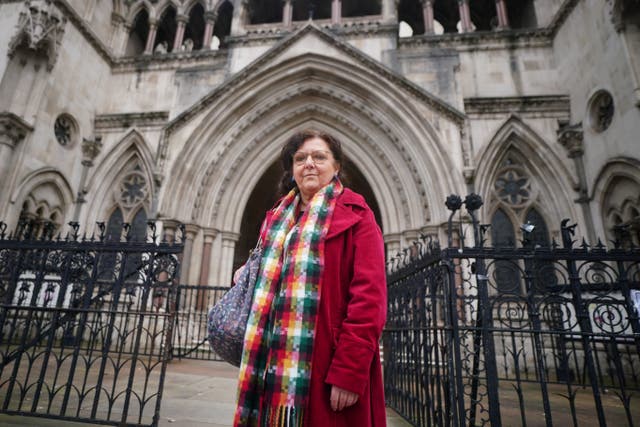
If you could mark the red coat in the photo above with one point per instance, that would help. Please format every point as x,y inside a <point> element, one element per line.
<point>353,309</point>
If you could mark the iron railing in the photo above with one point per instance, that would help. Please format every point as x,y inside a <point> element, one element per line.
<point>190,330</point>
<point>86,324</point>
<point>532,335</point>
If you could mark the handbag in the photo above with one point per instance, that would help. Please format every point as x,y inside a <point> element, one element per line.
<point>227,319</point>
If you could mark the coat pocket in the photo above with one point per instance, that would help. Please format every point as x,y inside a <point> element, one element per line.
<point>335,337</point>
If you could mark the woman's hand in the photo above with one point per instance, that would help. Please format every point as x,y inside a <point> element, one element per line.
<point>341,398</point>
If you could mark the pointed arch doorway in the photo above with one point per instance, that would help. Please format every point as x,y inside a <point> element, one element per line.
<point>265,194</point>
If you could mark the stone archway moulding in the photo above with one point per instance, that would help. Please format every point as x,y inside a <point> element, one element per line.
<point>408,138</point>
<point>132,146</point>
<point>39,177</point>
<point>617,167</point>
<point>552,173</point>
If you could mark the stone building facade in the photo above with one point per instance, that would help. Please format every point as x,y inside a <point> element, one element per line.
<point>175,111</point>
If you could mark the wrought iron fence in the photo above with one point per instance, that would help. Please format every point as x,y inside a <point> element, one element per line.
<point>190,330</point>
<point>86,323</point>
<point>525,336</point>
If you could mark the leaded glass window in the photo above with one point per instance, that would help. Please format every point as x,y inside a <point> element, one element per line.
<point>505,273</point>
<point>542,271</point>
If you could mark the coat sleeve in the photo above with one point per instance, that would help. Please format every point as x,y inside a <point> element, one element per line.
<point>360,332</point>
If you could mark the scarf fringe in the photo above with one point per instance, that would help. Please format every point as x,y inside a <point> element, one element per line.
<point>283,416</point>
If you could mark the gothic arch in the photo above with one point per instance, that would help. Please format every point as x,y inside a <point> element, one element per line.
<point>133,12</point>
<point>58,195</point>
<point>130,149</point>
<point>311,89</point>
<point>188,5</point>
<point>616,170</point>
<point>220,3</point>
<point>550,173</point>
<point>160,10</point>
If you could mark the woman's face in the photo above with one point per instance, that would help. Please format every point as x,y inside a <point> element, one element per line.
<point>313,167</point>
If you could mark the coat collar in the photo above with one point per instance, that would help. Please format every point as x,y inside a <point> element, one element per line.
<point>343,216</point>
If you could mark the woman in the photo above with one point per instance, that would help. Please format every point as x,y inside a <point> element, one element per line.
<point>311,354</point>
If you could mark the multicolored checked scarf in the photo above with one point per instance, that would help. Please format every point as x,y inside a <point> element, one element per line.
<point>276,361</point>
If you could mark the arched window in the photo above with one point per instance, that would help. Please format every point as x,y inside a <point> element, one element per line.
<point>138,35</point>
<point>447,14</point>
<point>114,226</point>
<point>410,12</point>
<point>264,11</point>
<point>502,231</point>
<point>139,226</point>
<point>620,209</point>
<point>543,272</point>
<point>360,7</point>
<point>138,233</point>
<point>483,14</point>
<point>505,273</point>
<point>107,265</point>
<point>195,27</point>
<point>166,31</point>
<point>316,9</point>
<point>222,27</point>
<point>540,234</point>
<point>521,14</point>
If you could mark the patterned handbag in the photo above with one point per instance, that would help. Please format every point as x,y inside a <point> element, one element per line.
<point>227,320</point>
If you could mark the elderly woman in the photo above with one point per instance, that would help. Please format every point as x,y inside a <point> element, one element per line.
<point>311,354</point>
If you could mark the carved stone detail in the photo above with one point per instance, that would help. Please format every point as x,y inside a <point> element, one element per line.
<point>126,120</point>
<point>40,28</point>
<point>571,137</point>
<point>12,129</point>
<point>90,150</point>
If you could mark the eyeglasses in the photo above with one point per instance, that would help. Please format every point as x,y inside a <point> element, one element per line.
<point>318,157</point>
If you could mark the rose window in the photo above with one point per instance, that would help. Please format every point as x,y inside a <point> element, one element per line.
<point>133,189</point>
<point>513,187</point>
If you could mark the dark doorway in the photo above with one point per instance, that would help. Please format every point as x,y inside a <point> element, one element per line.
<point>264,196</point>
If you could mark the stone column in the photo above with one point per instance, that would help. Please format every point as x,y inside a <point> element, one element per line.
<point>90,150</point>
<point>393,244</point>
<point>503,17</point>
<point>336,12</point>
<point>177,41</point>
<point>118,32</point>
<point>210,19</point>
<point>191,231</point>
<point>151,37</point>
<point>287,13</point>
<point>229,240</point>
<point>427,13</point>
<point>13,130</point>
<point>389,10</point>
<point>571,137</point>
<point>465,15</point>
<point>209,236</point>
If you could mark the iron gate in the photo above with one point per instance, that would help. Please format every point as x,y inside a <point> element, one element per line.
<point>85,323</point>
<point>530,336</point>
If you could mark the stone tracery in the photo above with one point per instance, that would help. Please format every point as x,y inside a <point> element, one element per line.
<point>40,29</point>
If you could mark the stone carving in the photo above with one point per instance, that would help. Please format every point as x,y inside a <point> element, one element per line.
<point>90,150</point>
<point>161,48</point>
<point>12,129</point>
<point>187,46</point>
<point>619,10</point>
<point>570,137</point>
<point>40,28</point>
